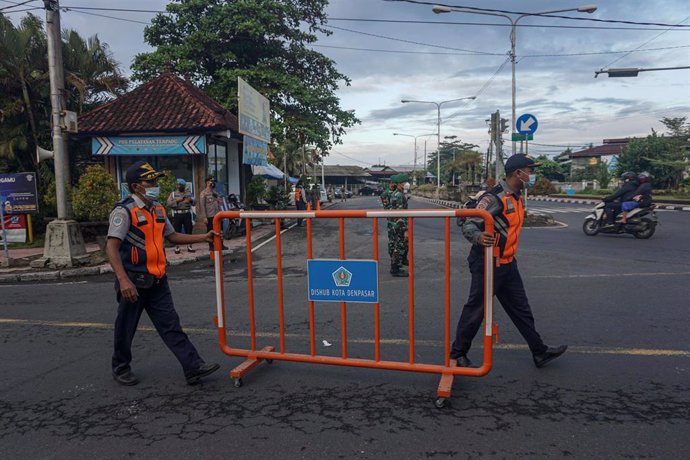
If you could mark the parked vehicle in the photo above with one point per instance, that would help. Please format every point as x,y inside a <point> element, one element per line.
<point>368,190</point>
<point>641,222</point>
<point>234,227</point>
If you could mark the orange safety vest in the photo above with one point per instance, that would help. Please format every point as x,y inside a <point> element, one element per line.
<point>298,194</point>
<point>508,224</point>
<point>143,250</point>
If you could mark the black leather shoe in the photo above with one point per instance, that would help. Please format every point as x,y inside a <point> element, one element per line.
<point>549,355</point>
<point>126,378</point>
<point>464,361</point>
<point>406,262</point>
<point>399,273</point>
<point>204,370</point>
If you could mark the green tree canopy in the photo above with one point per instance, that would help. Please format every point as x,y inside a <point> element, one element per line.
<point>264,42</point>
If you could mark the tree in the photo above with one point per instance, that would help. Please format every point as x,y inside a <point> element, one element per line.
<point>265,43</point>
<point>550,169</point>
<point>663,157</point>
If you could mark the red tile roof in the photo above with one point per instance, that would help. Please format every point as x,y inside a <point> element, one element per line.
<point>164,104</point>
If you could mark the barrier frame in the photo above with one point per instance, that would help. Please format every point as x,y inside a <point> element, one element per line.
<point>254,357</point>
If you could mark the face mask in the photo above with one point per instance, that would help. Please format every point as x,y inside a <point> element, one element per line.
<point>152,193</point>
<point>530,181</point>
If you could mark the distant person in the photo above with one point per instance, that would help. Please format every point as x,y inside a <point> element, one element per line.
<point>180,202</point>
<point>506,205</point>
<point>642,197</point>
<point>210,203</point>
<point>315,196</point>
<point>138,225</point>
<point>614,202</point>
<point>300,200</point>
<point>343,196</point>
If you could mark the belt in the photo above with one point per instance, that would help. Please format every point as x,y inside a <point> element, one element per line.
<point>182,212</point>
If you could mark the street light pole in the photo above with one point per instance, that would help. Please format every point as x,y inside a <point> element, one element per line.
<point>414,168</point>
<point>633,71</point>
<point>438,9</point>
<point>438,131</point>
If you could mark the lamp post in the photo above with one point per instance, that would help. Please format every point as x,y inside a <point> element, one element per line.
<point>438,9</point>
<point>438,131</point>
<point>633,71</point>
<point>414,168</point>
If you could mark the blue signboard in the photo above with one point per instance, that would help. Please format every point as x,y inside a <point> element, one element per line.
<point>148,145</point>
<point>254,152</point>
<point>526,124</point>
<point>343,280</point>
<point>19,193</point>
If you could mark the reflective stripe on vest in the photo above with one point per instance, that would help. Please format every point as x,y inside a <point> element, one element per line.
<point>143,250</point>
<point>509,225</point>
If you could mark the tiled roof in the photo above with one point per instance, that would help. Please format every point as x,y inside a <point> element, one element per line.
<point>345,171</point>
<point>599,150</point>
<point>164,104</point>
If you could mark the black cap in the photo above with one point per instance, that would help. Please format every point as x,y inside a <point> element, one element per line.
<point>519,161</point>
<point>210,179</point>
<point>140,171</point>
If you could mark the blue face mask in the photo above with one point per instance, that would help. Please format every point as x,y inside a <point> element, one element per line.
<point>530,181</point>
<point>152,193</point>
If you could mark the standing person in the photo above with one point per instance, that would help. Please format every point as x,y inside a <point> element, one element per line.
<point>315,196</point>
<point>180,202</point>
<point>506,204</point>
<point>343,197</point>
<point>300,200</point>
<point>396,227</point>
<point>210,203</point>
<point>138,226</point>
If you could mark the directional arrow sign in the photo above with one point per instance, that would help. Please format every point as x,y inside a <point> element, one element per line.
<point>526,124</point>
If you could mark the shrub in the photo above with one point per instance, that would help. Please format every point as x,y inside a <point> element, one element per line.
<point>95,195</point>
<point>167,183</point>
<point>543,187</point>
<point>256,190</point>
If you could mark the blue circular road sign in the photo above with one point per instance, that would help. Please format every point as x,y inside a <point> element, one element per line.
<point>526,124</point>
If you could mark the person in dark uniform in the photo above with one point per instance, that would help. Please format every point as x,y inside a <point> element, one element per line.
<point>138,225</point>
<point>614,202</point>
<point>506,204</point>
<point>300,200</point>
<point>180,203</point>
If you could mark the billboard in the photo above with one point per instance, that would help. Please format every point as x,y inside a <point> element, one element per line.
<point>254,112</point>
<point>15,229</point>
<point>254,152</point>
<point>18,193</point>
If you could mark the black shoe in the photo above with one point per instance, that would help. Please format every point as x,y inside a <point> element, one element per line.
<point>203,370</point>
<point>399,273</point>
<point>126,378</point>
<point>549,355</point>
<point>406,262</point>
<point>190,248</point>
<point>464,361</point>
<point>225,248</point>
<point>177,249</point>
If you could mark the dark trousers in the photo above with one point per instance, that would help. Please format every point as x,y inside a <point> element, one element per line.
<point>509,290</point>
<point>612,209</point>
<point>158,303</point>
<point>209,227</point>
<point>182,222</point>
<point>300,206</point>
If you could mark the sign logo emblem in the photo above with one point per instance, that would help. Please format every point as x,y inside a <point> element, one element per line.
<point>342,277</point>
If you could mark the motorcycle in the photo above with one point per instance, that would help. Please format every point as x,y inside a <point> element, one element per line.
<point>236,226</point>
<point>641,222</point>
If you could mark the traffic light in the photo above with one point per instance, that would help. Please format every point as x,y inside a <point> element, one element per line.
<point>504,125</point>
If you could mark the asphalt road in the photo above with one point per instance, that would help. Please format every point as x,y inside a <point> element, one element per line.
<point>620,391</point>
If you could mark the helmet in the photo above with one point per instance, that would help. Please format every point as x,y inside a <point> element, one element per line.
<point>181,182</point>
<point>644,175</point>
<point>626,176</point>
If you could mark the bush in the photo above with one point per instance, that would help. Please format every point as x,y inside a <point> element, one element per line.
<point>543,187</point>
<point>277,198</point>
<point>95,195</point>
<point>256,190</point>
<point>167,183</point>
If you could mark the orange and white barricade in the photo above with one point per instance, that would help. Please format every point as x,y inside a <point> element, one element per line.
<point>446,367</point>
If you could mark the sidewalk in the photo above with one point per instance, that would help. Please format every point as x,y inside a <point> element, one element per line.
<point>235,245</point>
<point>667,206</point>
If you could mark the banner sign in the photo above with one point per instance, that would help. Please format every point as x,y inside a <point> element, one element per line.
<point>254,112</point>
<point>254,152</point>
<point>15,229</point>
<point>149,145</point>
<point>18,192</point>
<point>343,280</point>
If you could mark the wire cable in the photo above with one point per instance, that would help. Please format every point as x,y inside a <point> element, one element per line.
<point>15,5</point>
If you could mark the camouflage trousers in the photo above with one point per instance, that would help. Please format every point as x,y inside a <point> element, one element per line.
<point>397,244</point>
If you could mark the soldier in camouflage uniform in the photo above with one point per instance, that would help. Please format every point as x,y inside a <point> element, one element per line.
<point>397,227</point>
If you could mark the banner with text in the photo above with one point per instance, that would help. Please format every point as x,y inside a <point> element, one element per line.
<point>18,193</point>
<point>254,152</point>
<point>149,145</point>
<point>254,112</point>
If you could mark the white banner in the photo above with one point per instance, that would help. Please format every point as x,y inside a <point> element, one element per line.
<point>254,112</point>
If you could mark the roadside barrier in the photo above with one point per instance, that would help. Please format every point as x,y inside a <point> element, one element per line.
<point>448,369</point>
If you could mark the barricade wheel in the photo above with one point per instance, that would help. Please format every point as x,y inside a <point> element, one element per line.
<point>237,382</point>
<point>441,402</point>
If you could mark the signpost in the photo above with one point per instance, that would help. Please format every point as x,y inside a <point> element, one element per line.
<point>254,113</point>
<point>148,145</point>
<point>526,125</point>
<point>334,280</point>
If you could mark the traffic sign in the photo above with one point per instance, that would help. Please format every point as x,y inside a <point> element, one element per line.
<point>334,280</point>
<point>526,124</point>
<point>517,137</point>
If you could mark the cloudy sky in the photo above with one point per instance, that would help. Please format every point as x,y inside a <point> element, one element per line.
<point>436,62</point>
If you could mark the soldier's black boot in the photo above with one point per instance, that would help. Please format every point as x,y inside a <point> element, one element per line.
<point>396,271</point>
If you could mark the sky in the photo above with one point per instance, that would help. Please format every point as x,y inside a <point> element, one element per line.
<point>438,62</point>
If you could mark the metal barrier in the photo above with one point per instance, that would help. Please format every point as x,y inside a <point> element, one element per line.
<point>448,370</point>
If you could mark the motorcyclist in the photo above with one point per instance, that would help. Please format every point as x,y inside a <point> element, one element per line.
<point>615,201</point>
<point>642,197</point>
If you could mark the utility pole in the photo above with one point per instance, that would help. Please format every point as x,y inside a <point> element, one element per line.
<point>64,243</point>
<point>498,142</point>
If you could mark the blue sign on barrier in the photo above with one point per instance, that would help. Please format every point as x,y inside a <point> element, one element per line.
<point>343,280</point>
